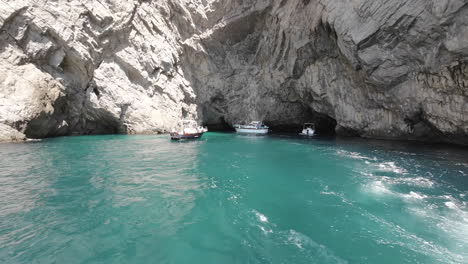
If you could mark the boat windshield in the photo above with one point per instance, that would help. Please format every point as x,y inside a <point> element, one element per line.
<point>309,125</point>
<point>256,123</point>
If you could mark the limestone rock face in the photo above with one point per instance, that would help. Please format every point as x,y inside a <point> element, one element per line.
<point>86,67</point>
<point>382,68</point>
<point>7,134</point>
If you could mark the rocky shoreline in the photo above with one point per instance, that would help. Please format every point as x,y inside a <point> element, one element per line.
<point>393,69</point>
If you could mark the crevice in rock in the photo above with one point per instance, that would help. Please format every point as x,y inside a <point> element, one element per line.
<point>96,91</point>
<point>238,29</point>
<point>323,45</point>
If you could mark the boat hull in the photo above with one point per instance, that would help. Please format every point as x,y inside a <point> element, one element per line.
<point>307,132</point>
<point>251,131</point>
<point>177,136</point>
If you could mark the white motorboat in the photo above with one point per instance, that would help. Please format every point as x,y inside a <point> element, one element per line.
<point>187,129</point>
<point>254,128</point>
<point>308,130</point>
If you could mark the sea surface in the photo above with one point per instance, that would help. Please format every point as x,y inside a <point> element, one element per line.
<point>228,198</point>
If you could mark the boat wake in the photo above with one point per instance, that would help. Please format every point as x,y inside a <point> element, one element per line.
<point>353,155</point>
<point>316,252</point>
<point>304,246</point>
<point>390,167</point>
<point>447,215</point>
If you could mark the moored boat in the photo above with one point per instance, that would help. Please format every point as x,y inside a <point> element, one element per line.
<point>254,128</point>
<point>187,129</point>
<point>308,130</point>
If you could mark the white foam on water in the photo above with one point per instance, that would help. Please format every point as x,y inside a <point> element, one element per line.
<point>320,253</point>
<point>462,164</point>
<point>410,181</point>
<point>378,187</point>
<point>451,205</point>
<point>414,195</point>
<point>261,217</point>
<point>353,155</point>
<point>450,216</point>
<point>454,203</point>
<point>265,231</point>
<point>263,224</point>
<point>452,223</point>
<point>447,216</point>
<point>391,167</point>
<point>295,238</point>
<point>329,193</point>
<point>367,174</point>
<point>213,184</point>
<point>418,244</point>
<point>326,192</point>
<point>418,181</point>
<point>339,195</point>
<point>304,244</point>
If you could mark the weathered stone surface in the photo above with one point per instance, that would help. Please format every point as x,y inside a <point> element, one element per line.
<point>384,69</point>
<point>7,134</point>
<point>381,68</point>
<point>85,67</point>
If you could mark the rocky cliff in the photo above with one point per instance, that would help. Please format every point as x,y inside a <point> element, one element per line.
<point>371,68</point>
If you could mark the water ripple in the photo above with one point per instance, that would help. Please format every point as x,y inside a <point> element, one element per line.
<point>231,199</point>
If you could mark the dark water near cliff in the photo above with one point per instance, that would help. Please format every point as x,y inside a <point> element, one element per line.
<point>232,199</point>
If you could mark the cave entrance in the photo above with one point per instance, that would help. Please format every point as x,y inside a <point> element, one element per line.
<point>219,125</point>
<point>324,125</point>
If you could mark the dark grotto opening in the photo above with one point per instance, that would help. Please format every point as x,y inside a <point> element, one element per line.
<point>219,126</point>
<point>324,125</point>
<point>284,128</point>
<point>213,116</point>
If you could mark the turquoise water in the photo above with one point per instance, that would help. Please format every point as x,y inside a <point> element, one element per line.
<point>232,199</point>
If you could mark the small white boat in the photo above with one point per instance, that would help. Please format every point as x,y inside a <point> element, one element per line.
<point>308,130</point>
<point>254,128</point>
<point>187,129</point>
